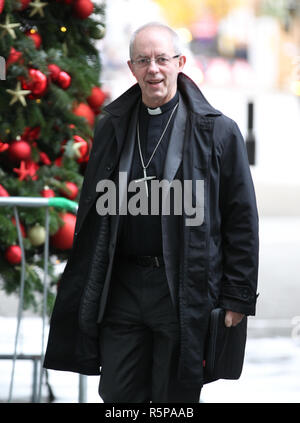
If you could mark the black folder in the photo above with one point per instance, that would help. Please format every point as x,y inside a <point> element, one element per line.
<point>225,348</point>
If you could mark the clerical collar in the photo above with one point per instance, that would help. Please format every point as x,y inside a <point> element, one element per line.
<point>156,111</point>
<point>165,107</point>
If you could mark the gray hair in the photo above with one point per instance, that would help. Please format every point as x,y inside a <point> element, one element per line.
<point>174,35</point>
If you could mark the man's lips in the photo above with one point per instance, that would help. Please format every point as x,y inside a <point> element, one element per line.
<point>156,82</point>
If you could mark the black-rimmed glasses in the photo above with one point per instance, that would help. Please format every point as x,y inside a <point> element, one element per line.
<point>160,61</point>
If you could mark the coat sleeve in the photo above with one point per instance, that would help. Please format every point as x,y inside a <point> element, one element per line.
<point>239,225</point>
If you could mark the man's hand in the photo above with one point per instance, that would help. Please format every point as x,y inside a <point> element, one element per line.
<point>232,318</point>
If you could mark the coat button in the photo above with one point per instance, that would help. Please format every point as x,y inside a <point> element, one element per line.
<point>245,293</point>
<point>109,167</point>
<point>88,199</point>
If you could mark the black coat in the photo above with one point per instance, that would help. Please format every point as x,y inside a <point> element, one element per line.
<point>212,264</point>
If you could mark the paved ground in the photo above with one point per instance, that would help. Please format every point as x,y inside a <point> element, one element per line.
<point>271,372</point>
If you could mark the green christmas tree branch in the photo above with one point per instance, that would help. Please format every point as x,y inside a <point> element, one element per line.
<point>46,125</point>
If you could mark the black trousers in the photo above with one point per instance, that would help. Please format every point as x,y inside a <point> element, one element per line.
<point>139,340</point>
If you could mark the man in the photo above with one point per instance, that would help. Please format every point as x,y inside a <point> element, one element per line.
<point>138,288</point>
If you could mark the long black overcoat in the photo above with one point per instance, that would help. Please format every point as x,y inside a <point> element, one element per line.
<point>212,264</point>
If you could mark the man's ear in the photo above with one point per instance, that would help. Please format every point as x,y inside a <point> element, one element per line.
<point>182,62</point>
<point>131,67</point>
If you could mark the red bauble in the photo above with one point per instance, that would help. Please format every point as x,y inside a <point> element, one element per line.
<point>3,146</point>
<point>71,190</point>
<point>64,80</point>
<point>58,161</point>
<point>47,192</point>
<point>24,4</point>
<point>83,8</point>
<point>96,98</point>
<point>31,134</point>
<point>3,192</point>
<point>1,5</point>
<point>35,36</point>
<point>14,56</point>
<point>23,232</point>
<point>54,71</point>
<point>85,111</point>
<point>13,254</point>
<point>37,83</point>
<point>19,150</point>
<point>63,238</point>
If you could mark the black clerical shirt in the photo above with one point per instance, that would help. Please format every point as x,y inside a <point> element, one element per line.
<point>141,234</point>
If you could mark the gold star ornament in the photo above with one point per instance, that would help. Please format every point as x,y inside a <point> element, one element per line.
<point>9,27</point>
<point>18,95</point>
<point>37,7</point>
<point>76,148</point>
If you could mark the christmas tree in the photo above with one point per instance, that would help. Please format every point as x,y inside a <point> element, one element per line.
<point>49,103</point>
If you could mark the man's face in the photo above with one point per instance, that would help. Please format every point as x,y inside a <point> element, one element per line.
<point>157,82</point>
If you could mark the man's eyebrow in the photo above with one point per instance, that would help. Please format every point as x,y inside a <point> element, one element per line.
<point>146,56</point>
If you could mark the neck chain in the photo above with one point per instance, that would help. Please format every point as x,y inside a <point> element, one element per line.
<point>146,178</point>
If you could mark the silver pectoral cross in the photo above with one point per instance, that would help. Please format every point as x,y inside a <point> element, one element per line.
<point>145,179</point>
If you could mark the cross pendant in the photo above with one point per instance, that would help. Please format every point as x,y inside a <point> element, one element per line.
<point>145,178</point>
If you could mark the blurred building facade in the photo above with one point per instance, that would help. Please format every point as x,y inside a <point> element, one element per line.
<point>254,38</point>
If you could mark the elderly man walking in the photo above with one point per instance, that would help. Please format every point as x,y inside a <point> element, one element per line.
<point>136,296</point>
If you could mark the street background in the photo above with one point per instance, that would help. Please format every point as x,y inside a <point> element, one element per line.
<point>237,52</point>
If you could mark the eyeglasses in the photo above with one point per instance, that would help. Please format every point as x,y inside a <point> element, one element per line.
<point>160,61</point>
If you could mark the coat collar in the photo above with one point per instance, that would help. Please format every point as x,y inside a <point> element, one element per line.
<point>193,97</point>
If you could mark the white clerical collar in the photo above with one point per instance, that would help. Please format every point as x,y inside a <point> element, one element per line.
<point>156,111</point>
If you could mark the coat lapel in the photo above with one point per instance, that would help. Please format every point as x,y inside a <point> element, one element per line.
<point>126,154</point>
<point>175,149</point>
<point>124,166</point>
<point>169,223</point>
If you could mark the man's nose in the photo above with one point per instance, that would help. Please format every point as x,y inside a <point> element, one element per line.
<point>153,67</point>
